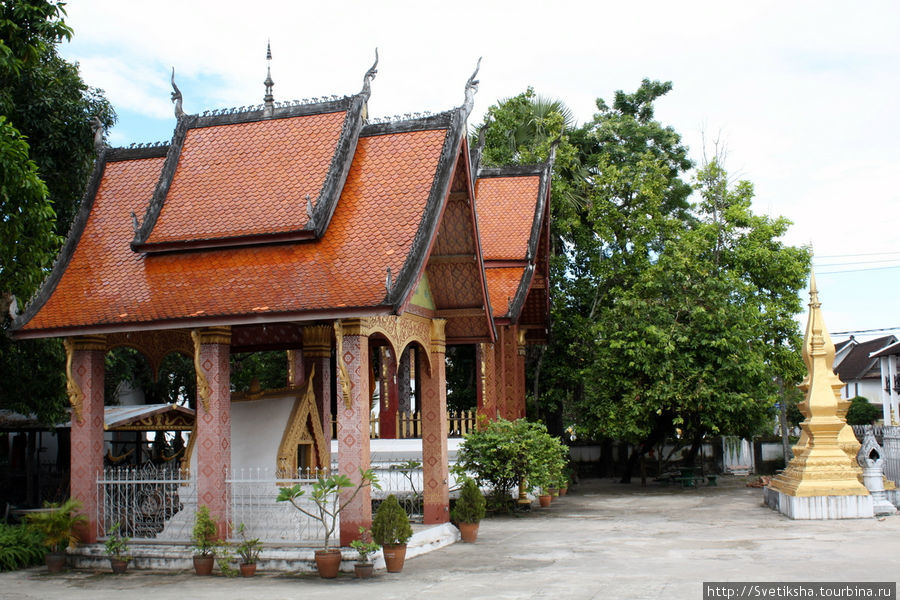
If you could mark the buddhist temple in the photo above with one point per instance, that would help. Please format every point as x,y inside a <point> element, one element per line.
<point>309,228</point>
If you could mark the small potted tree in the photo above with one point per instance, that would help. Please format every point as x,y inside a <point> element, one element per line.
<point>468,511</point>
<point>364,568</point>
<point>391,530</point>
<point>116,548</point>
<point>204,536</point>
<point>59,524</point>
<point>248,550</point>
<point>326,494</point>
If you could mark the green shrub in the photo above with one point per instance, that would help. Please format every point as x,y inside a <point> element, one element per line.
<point>470,506</point>
<point>390,526</point>
<point>20,546</point>
<point>503,453</point>
<point>59,524</point>
<point>205,533</point>
<point>862,413</point>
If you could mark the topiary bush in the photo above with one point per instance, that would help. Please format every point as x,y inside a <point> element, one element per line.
<point>470,507</point>
<point>390,525</point>
<point>20,547</point>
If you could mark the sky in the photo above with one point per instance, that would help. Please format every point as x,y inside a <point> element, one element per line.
<point>802,95</point>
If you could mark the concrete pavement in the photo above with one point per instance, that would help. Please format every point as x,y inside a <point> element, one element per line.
<point>603,540</point>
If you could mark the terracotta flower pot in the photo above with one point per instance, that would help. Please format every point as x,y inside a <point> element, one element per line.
<point>554,491</point>
<point>328,562</point>
<point>563,491</point>
<point>364,570</point>
<point>203,565</point>
<point>394,556</point>
<point>56,562</point>
<point>469,532</point>
<point>247,569</point>
<point>118,565</point>
<point>545,500</point>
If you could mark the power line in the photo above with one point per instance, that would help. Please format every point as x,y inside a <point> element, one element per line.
<point>853,255</point>
<point>857,270</point>
<point>857,262</point>
<point>865,331</point>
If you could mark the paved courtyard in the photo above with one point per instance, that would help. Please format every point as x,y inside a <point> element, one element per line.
<point>603,540</point>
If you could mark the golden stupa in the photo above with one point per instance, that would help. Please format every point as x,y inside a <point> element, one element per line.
<point>822,463</point>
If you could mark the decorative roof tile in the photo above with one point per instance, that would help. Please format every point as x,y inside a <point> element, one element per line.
<point>246,179</point>
<point>503,283</point>
<point>506,214</point>
<point>378,217</point>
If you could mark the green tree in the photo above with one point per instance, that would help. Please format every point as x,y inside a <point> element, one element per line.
<point>45,156</point>
<point>700,340</point>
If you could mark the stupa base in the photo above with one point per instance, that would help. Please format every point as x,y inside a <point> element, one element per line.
<point>819,507</point>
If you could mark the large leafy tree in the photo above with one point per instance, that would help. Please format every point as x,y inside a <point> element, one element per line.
<point>46,153</point>
<point>667,318</point>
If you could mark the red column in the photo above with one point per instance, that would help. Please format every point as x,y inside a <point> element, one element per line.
<point>317,352</point>
<point>434,430</point>
<point>212,348</point>
<point>390,392</point>
<point>85,365</point>
<point>519,410</point>
<point>296,370</point>
<point>486,384</point>
<point>507,397</point>
<point>353,425</point>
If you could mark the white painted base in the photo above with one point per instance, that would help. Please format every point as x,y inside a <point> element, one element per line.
<point>273,558</point>
<point>819,507</point>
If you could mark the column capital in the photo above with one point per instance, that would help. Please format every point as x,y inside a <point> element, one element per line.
<point>87,342</point>
<point>358,326</point>
<point>214,335</point>
<point>520,341</point>
<point>317,340</point>
<point>438,336</point>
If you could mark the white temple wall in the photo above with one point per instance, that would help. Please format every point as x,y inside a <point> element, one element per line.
<point>256,430</point>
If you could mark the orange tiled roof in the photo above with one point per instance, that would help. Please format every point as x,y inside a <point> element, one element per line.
<point>248,178</point>
<point>506,213</point>
<point>503,283</point>
<point>374,227</point>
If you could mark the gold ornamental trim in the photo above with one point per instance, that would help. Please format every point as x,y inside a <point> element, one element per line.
<point>438,336</point>
<point>303,426</point>
<point>204,392</point>
<point>317,341</point>
<point>342,368</point>
<point>73,390</point>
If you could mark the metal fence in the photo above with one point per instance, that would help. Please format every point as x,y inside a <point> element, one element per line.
<point>160,504</point>
<point>147,503</point>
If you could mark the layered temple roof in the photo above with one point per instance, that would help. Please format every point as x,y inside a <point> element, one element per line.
<point>293,213</point>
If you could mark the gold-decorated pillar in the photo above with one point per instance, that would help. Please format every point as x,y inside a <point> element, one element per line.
<point>317,360</point>
<point>85,367</point>
<point>435,468</point>
<point>353,423</point>
<point>212,349</point>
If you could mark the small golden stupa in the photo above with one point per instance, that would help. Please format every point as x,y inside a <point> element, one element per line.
<point>822,465</point>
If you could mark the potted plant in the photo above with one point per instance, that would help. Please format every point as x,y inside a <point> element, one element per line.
<point>468,511</point>
<point>204,536</point>
<point>326,494</point>
<point>58,523</point>
<point>249,551</point>
<point>364,568</point>
<point>391,530</point>
<point>116,548</point>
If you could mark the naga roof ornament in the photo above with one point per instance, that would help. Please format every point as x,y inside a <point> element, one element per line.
<point>176,97</point>
<point>97,128</point>
<point>471,88</point>
<point>369,76</point>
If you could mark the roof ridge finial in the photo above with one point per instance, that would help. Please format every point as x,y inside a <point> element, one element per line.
<point>176,97</point>
<point>269,99</point>
<point>471,88</point>
<point>478,150</point>
<point>369,76</point>
<point>551,157</point>
<point>98,129</point>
